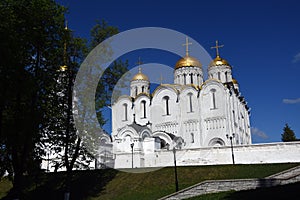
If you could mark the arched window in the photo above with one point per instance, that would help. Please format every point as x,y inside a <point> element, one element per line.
<point>219,75</point>
<point>166,100</point>
<point>143,88</point>
<point>190,102</point>
<point>125,112</point>
<point>144,109</point>
<point>213,98</point>
<point>226,77</point>
<point>192,138</point>
<point>184,79</point>
<point>191,78</point>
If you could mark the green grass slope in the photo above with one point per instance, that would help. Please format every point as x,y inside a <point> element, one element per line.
<point>110,184</point>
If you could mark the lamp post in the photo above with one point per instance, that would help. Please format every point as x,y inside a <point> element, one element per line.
<point>230,138</point>
<point>175,169</point>
<point>131,145</point>
<point>48,162</point>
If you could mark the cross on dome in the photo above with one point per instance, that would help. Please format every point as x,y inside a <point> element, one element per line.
<point>217,48</point>
<point>187,43</point>
<point>161,78</point>
<point>139,62</point>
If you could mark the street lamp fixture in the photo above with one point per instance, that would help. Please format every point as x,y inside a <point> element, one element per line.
<point>230,138</point>
<point>132,145</point>
<point>175,169</point>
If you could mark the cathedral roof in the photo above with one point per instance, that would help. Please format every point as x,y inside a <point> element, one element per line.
<point>188,61</point>
<point>140,76</point>
<point>138,127</point>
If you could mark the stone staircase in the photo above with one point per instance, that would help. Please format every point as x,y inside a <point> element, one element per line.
<point>212,186</point>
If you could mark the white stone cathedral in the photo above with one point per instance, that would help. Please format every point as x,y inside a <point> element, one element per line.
<point>187,114</point>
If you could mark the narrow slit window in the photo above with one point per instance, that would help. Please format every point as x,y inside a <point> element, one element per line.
<point>125,112</point>
<point>192,138</point>
<point>144,109</point>
<point>213,96</point>
<point>233,113</point>
<point>136,91</point>
<point>166,99</point>
<point>190,102</point>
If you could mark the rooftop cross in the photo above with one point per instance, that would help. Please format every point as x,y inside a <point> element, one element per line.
<point>187,43</point>
<point>217,48</point>
<point>161,78</point>
<point>139,62</point>
<point>66,25</point>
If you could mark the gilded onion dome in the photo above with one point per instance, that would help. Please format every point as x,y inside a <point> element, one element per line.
<point>140,76</point>
<point>234,81</point>
<point>218,61</point>
<point>187,61</point>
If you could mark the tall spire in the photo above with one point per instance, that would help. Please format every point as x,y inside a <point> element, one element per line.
<point>66,25</point>
<point>217,48</point>
<point>65,67</point>
<point>187,43</point>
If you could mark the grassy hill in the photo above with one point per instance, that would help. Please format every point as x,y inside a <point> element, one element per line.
<point>112,184</point>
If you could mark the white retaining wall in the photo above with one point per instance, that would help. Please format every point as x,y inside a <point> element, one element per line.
<point>282,152</point>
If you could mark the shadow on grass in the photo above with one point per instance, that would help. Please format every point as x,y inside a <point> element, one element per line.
<point>51,186</point>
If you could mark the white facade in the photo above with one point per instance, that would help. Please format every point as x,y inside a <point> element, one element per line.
<point>188,114</point>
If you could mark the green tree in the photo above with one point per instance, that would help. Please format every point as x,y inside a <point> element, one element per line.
<point>35,97</point>
<point>288,134</point>
<point>29,39</point>
<point>61,136</point>
<point>100,32</point>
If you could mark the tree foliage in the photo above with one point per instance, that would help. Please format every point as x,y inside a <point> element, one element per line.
<point>288,134</point>
<point>30,36</point>
<point>36,98</point>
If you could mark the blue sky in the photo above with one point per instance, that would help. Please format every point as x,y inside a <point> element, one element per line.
<point>262,43</point>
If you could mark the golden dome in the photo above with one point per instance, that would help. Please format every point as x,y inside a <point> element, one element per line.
<point>63,68</point>
<point>234,81</point>
<point>218,61</point>
<point>140,76</point>
<point>187,61</point>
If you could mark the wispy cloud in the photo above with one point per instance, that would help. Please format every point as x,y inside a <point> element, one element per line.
<point>291,101</point>
<point>296,58</point>
<point>255,131</point>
